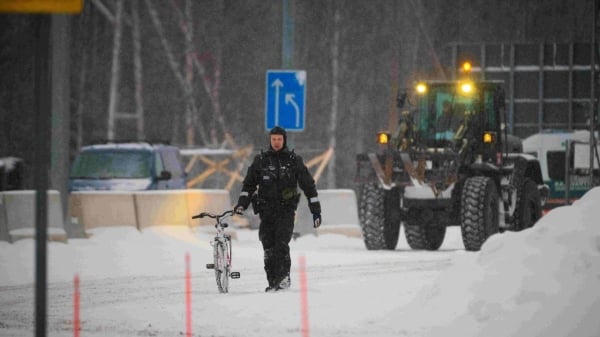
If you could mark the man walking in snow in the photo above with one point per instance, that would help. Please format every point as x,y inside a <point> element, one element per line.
<point>277,173</point>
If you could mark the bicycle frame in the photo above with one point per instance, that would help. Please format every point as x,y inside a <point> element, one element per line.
<point>222,251</point>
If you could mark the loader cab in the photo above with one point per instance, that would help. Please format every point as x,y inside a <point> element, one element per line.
<point>448,111</point>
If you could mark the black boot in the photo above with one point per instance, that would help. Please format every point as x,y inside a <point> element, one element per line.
<point>270,269</point>
<point>286,283</point>
<point>283,283</point>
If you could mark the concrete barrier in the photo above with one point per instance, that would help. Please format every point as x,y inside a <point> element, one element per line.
<point>93,209</point>
<point>206,200</point>
<point>176,207</point>
<point>19,207</point>
<point>143,209</point>
<point>3,225</point>
<point>339,213</point>
<point>161,208</point>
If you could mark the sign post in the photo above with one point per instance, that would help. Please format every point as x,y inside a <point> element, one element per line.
<point>285,99</point>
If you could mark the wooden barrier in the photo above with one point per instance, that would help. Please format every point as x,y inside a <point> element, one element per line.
<point>229,163</point>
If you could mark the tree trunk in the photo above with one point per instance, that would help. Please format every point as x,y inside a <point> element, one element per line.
<point>425,32</point>
<point>137,68</point>
<point>210,87</point>
<point>188,27</point>
<point>334,94</point>
<point>82,48</point>
<point>114,81</point>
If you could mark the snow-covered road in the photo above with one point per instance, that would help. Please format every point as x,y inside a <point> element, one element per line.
<point>350,291</point>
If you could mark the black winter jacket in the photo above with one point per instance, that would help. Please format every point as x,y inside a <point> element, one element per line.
<point>278,175</point>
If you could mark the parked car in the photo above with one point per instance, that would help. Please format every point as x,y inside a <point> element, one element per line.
<point>129,166</point>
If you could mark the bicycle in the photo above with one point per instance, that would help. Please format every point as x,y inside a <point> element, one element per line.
<point>221,251</point>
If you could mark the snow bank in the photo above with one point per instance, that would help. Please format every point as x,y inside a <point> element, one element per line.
<point>533,283</point>
<point>109,253</point>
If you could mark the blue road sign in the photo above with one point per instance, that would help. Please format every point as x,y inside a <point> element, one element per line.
<point>285,99</point>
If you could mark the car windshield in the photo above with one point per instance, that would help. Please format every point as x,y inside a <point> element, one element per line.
<point>112,164</point>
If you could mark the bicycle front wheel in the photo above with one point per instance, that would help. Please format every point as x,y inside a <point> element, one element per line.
<point>221,266</point>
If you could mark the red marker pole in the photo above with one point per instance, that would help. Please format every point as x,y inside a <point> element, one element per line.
<point>188,297</point>
<point>76,326</point>
<point>303,297</point>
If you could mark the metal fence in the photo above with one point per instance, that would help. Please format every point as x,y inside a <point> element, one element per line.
<point>548,85</point>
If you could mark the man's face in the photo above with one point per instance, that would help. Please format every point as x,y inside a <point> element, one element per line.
<point>277,142</point>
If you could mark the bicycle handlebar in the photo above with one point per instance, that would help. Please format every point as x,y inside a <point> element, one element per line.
<point>212,215</point>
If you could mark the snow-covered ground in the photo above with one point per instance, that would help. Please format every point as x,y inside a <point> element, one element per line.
<point>540,282</point>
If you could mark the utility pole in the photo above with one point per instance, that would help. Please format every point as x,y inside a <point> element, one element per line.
<point>40,167</point>
<point>60,34</point>
<point>594,86</point>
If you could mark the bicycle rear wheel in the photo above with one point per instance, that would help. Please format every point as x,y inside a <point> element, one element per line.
<point>221,266</point>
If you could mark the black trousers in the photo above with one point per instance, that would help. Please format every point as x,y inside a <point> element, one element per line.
<point>275,234</point>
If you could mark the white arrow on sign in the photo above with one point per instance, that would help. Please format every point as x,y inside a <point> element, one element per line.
<point>289,99</point>
<point>277,84</point>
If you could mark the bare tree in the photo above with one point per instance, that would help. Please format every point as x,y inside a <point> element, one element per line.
<point>334,92</point>
<point>425,32</point>
<point>82,51</point>
<point>174,65</point>
<point>137,68</point>
<point>212,84</point>
<point>115,72</point>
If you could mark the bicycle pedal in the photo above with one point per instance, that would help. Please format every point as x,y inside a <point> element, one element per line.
<point>235,274</point>
<point>210,266</point>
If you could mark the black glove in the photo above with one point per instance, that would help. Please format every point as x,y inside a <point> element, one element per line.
<point>239,209</point>
<point>316,220</point>
<point>314,206</point>
<point>242,203</point>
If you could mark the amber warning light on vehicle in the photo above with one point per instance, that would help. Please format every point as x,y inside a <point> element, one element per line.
<point>466,67</point>
<point>383,137</point>
<point>488,137</point>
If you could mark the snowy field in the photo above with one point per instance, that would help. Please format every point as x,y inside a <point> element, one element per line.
<point>540,282</point>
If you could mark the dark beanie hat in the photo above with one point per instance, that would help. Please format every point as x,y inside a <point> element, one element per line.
<point>278,130</point>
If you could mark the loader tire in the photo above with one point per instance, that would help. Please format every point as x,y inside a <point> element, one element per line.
<point>379,213</point>
<point>529,205</point>
<point>421,232</point>
<point>479,212</point>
